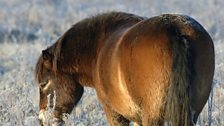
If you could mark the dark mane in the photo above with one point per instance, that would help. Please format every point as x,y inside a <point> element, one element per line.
<point>38,69</point>
<point>108,22</point>
<point>81,39</point>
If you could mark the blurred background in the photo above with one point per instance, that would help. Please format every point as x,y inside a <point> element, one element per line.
<point>27,27</point>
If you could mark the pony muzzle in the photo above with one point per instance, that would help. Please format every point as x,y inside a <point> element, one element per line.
<point>49,121</point>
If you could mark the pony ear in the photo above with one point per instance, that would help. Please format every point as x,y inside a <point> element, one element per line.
<point>47,55</point>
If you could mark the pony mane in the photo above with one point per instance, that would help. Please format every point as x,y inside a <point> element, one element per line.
<point>81,38</point>
<point>39,69</point>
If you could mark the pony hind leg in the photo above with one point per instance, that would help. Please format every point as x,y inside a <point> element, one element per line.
<point>136,124</point>
<point>147,121</point>
<point>114,118</point>
<point>194,116</point>
<point>153,121</point>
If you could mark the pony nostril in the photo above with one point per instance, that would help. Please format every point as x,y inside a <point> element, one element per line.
<point>58,122</point>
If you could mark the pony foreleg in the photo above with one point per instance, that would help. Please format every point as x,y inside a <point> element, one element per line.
<point>114,118</point>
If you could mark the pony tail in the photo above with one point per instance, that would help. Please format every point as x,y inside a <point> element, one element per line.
<point>177,111</point>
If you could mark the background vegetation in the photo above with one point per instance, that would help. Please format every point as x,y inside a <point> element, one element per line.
<point>27,27</point>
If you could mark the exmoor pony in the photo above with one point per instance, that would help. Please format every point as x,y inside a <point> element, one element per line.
<point>150,71</point>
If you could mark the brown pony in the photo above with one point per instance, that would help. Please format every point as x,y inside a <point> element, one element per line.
<point>155,71</point>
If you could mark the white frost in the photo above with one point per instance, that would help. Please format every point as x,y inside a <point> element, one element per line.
<point>21,21</point>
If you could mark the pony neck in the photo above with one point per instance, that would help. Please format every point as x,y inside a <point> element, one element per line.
<point>81,44</point>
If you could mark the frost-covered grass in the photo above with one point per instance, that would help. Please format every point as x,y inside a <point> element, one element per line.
<point>27,27</point>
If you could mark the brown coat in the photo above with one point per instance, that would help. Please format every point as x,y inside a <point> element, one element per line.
<point>150,71</point>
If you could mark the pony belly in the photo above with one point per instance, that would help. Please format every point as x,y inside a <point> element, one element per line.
<point>112,91</point>
<point>117,97</point>
<point>111,86</point>
<point>120,102</point>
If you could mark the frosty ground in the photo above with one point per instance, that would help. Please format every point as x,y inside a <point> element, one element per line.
<point>27,27</point>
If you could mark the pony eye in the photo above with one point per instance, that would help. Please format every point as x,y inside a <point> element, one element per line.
<point>43,84</point>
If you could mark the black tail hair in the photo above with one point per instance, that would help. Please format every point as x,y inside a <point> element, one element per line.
<point>177,110</point>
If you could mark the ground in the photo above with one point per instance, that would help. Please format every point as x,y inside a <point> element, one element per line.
<point>28,27</point>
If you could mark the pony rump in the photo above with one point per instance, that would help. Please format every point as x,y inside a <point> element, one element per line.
<point>177,111</point>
